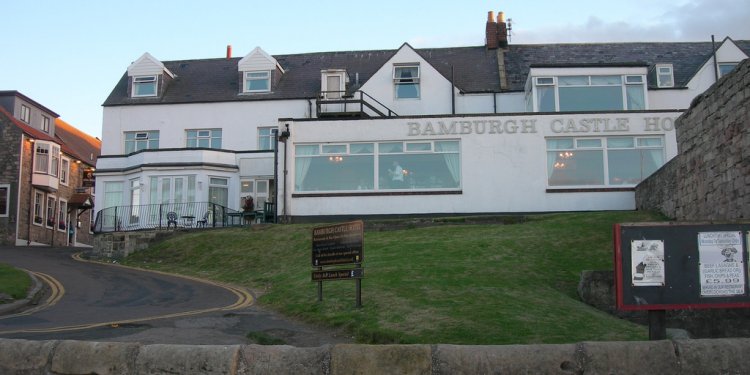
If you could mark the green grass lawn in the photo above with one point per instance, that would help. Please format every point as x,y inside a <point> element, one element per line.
<point>14,282</point>
<point>452,283</point>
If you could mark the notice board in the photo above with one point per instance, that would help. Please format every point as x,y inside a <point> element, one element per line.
<point>670,266</point>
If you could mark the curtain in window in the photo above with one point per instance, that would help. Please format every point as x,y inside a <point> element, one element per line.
<point>302,164</point>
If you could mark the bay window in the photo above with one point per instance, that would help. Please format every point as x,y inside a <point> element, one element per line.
<point>47,158</point>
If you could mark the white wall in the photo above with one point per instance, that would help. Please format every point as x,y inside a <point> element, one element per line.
<point>501,172</point>
<point>239,122</point>
<point>435,90</point>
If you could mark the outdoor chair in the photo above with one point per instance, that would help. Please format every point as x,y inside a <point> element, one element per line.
<point>202,222</point>
<point>171,219</point>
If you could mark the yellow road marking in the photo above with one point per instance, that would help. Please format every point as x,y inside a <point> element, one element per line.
<point>57,291</point>
<point>244,299</point>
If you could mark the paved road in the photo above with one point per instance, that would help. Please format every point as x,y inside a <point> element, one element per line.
<point>91,301</point>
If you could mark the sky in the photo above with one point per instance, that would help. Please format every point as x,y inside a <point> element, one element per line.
<point>68,55</point>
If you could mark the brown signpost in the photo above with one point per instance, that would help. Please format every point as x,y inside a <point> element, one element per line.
<point>338,244</point>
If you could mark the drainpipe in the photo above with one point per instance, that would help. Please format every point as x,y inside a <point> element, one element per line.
<point>31,192</point>
<point>275,175</point>
<point>716,63</point>
<point>453,92</point>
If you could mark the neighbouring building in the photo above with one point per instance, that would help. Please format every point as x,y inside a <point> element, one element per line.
<point>46,178</point>
<point>496,128</point>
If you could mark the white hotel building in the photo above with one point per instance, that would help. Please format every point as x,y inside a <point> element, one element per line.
<point>498,128</point>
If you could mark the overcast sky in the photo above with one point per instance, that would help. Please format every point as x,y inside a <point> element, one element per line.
<point>68,55</point>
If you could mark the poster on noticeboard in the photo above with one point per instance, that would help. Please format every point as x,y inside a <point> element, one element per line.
<point>721,263</point>
<point>647,262</point>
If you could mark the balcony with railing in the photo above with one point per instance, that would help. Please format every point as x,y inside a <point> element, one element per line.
<point>191,215</point>
<point>357,105</point>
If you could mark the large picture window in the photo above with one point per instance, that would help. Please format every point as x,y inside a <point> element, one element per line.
<point>385,166</point>
<point>590,93</point>
<point>611,161</point>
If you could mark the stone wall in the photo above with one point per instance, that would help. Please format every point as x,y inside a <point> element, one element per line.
<point>724,356</point>
<point>710,177</point>
<point>118,245</point>
<point>10,143</point>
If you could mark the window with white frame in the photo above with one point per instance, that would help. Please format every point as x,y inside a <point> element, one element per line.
<point>204,138</point>
<point>45,124</point>
<point>406,81</point>
<point>50,211</point>
<point>47,158</point>
<point>4,199</point>
<point>64,171</point>
<point>265,138</point>
<point>25,114</point>
<point>62,215</point>
<point>590,93</point>
<point>144,86</point>
<point>257,81</point>
<point>609,161</point>
<point>664,75</point>
<point>385,166</point>
<point>218,191</point>
<point>141,140</point>
<point>38,208</point>
<point>725,68</point>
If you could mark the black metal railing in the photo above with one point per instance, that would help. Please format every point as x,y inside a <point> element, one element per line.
<point>360,103</point>
<point>166,216</point>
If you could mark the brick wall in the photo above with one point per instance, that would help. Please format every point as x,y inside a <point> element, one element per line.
<point>709,179</point>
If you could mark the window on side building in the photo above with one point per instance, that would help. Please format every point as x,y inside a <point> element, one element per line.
<point>4,199</point>
<point>204,138</point>
<point>25,114</point>
<point>141,140</point>
<point>265,138</point>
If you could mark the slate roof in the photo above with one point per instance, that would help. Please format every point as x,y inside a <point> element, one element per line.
<point>475,69</point>
<point>80,145</point>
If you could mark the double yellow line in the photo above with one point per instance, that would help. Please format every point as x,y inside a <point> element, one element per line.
<point>244,299</point>
<point>57,291</point>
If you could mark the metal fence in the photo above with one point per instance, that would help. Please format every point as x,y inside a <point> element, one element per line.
<point>166,216</point>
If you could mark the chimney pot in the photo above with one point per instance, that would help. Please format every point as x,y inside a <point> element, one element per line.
<point>490,16</point>
<point>229,51</point>
<point>500,17</point>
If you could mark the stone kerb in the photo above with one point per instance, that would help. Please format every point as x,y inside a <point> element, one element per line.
<point>640,357</point>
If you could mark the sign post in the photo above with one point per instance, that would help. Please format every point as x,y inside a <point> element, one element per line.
<point>336,245</point>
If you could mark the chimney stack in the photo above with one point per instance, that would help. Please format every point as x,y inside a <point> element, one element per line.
<point>491,31</point>
<point>502,30</point>
<point>229,51</point>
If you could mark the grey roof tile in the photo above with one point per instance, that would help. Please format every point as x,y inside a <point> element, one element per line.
<point>475,69</point>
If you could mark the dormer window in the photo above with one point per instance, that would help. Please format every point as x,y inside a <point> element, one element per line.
<point>258,81</point>
<point>664,75</point>
<point>144,86</point>
<point>406,81</point>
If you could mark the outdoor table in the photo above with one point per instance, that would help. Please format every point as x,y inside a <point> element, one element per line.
<point>187,220</point>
